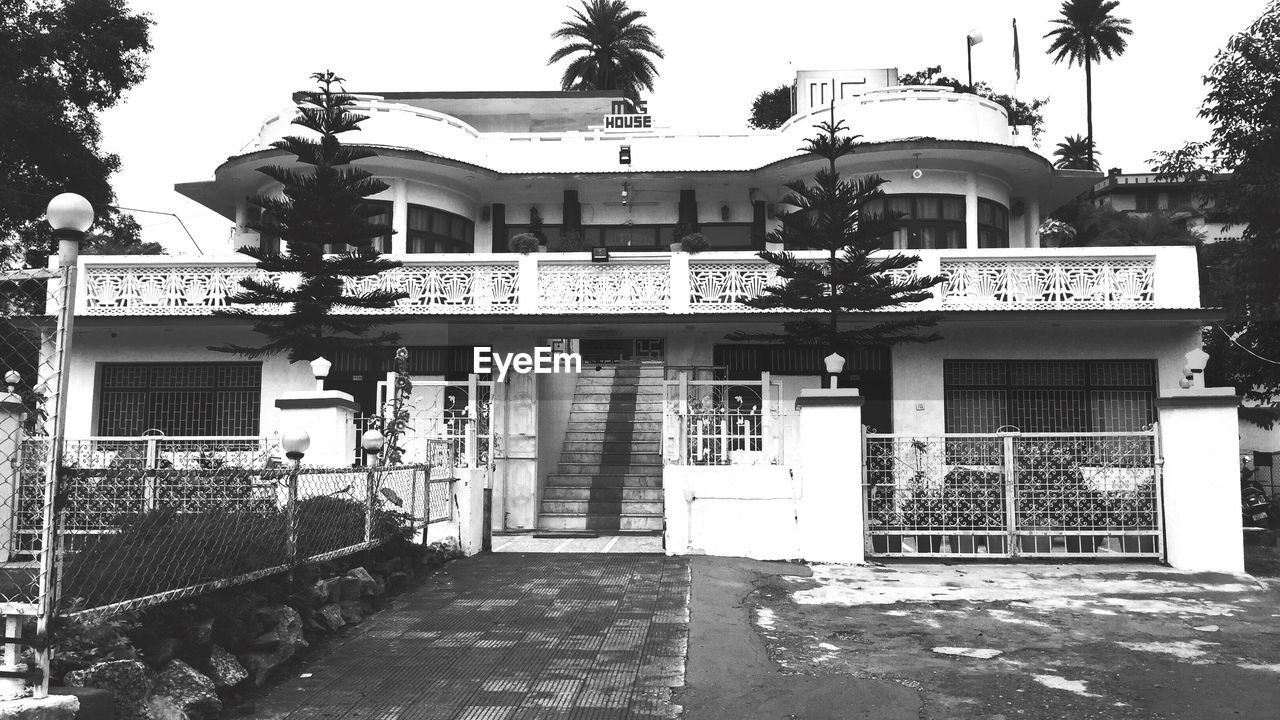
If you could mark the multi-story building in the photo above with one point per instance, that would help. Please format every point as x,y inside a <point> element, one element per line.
<point>1034,339</point>
<point>1143,193</point>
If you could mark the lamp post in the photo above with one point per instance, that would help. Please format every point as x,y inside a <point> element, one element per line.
<point>835,366</point>
<point>1193,370</point>
<point>973,38</point>
<point>372,441</point>
<point>320,371</point>
<point>295,443</point>
<point>70,216</point>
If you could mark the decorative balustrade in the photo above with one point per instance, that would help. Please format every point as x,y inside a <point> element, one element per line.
<point>1086,284</point>
<point>658,283</point>
<point>626,287</point>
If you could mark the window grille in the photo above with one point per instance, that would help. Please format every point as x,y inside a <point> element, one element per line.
<point>180,399</point>
<point>1049,395</point>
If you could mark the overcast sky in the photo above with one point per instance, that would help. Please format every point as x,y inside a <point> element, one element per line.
<point>220,68</point>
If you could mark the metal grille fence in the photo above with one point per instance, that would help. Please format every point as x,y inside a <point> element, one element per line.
<point>1013,494</point>
<point>721,422</point>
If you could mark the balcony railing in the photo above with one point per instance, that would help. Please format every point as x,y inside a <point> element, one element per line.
<point>660,283</point>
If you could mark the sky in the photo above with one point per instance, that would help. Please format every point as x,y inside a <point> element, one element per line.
<point>218,69</point>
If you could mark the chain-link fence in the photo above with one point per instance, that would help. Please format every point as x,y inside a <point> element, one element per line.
<point>32,350</point>
<point>133,537</point>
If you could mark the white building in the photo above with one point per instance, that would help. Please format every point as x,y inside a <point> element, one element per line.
<point>1034,339</point>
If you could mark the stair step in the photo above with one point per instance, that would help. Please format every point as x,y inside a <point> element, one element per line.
<point>599,522</point>
<point>597,436</point>
<point>605,480</point>
<point>602,494</point>
<point>620,445</point>
<point>611,459</point>
<point>654,405</point>
<point>599,507</point>
<point>654,416</point>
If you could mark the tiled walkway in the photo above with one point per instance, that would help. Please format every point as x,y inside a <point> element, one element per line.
<point>511,637</point>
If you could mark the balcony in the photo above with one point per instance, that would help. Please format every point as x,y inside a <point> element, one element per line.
<point>659,283</point>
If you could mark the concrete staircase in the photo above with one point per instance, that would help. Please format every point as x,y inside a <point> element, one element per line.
<point>609,479</point>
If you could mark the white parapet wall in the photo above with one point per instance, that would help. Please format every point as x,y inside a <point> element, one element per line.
<point>731,510</point>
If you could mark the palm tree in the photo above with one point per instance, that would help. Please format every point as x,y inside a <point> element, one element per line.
<point>1087,32</point>
<point>611,50</point>
<point>1076,153</point>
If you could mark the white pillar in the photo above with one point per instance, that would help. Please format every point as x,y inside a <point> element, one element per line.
<point>12,414</point>
<point>1199,438</point>
<point>971,211</point>
<point>468,497</point>
<point>400,217</point>
<point>679,268</point>
<point>328,416</point>
<point>1033,223</point>
<point>829,510</point>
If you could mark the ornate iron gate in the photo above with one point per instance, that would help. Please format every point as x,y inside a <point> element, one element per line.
<point>1013,494</point>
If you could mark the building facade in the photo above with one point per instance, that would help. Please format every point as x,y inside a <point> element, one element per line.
<point>1034,340</point>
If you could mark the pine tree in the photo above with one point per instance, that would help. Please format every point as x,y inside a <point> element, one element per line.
<point>319,207</point>
<point>832,215</point>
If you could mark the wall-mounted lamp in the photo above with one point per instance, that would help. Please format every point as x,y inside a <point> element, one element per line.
<point>599,254</point>
<point>626,192</point>
<point>724,213</point>
<point>917,173</point>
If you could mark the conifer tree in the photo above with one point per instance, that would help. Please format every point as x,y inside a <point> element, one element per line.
<point>832,214</point>
<point>319,209</point>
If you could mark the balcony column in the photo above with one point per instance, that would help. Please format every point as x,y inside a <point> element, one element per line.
<point>400,217</point>
<point>971,211</point>
<point>679,283</point>
<point>1033,223</point>
<point>528,284</point>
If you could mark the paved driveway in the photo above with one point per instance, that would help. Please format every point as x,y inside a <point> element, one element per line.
<point>510,636</point>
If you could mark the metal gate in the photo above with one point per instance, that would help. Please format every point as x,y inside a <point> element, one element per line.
<point>1013,494</point>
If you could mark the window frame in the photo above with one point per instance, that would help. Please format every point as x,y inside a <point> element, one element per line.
<point>102,423</point>
<point>416,240</point>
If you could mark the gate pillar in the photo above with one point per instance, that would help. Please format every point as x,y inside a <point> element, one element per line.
<point>1200,442</point>
<point>328,416</point>
<point>829,512</point>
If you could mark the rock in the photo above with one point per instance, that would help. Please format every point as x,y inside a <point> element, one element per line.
<point>286,625</point>
<point>161,707</point>
<point>201,633</point>
<point>355,611</point>
<point>328,590</point>
<point>224,670</point>
<point>193,693</point>
<point>162,651</point>
<point>54,707</point>
<point>370,586</point>
<point>351,587</point>
<point>130,681</point>
<point>266,642</point>
<point>330,617</point>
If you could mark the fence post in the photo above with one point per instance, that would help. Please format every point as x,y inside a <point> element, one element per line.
<point>682,419</point>
<point>370,481</point>
<point>1010,476</point>
<point>473,422</point>
<point>829,513</point>
<point>291,516</point>
<point>1200,442</point>
<point>149,480</point>
<point>766,421</point>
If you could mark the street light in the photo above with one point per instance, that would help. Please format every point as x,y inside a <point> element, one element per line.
<point>372,441</point>
<point>835,366</point>
<point>320,371</point>
<point>973,38</point>
<point>295,443</point>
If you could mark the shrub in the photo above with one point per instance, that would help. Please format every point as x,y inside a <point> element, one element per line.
<point>524,243</point>
<point>571,240</point>
<point>694,243</point>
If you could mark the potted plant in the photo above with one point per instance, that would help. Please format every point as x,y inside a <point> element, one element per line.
<point>682,229</point>
<point>694,243</point>
<point>571,240</point>
<point>524,243</point>
<point>535,228</point>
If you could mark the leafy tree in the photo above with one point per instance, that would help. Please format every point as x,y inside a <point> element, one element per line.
<point>771,108</point>
<point>1087,32</point>
<point>1020,112</point>
<point>1238,171</point>
<point>322,208</point>
<point>1104,226</point>
<point>61,63</point>
<point>1076,153</point>
<point>611,49</point>
<point>832,215</point>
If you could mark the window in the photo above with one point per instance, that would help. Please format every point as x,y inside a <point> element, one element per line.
<point>179,399</point>
<point>982,396</point>
<point>436,231</point>
<point>727,236</point>
<point>1147,202</point>
<point>993,224</point>
<point>928,221</point>
<point>381,243</point>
